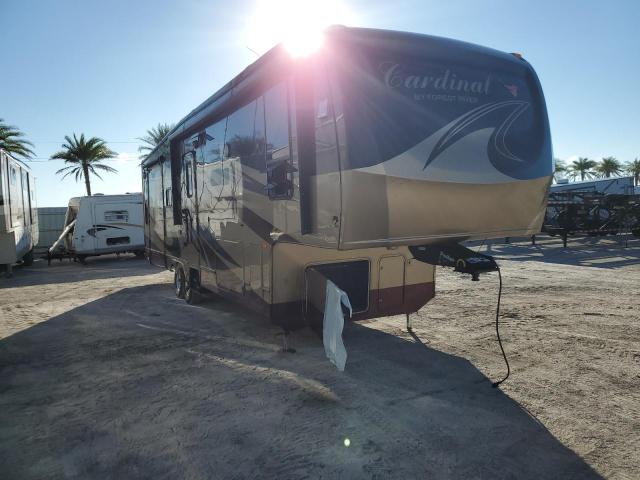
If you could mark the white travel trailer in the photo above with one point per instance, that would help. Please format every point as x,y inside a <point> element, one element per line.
<point>18,214</point>
<point>102,224</point>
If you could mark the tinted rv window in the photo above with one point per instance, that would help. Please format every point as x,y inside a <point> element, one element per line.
<point>213,153</point>
<point>116,216</point>
<point>214,143</point>
<point>244,138</point>
<point>278,150</point>
<point>15,197</point>
<point>396,99</point>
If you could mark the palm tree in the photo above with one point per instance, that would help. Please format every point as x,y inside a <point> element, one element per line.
<point>633,168</point>
<point>84,156</point>
<point>560,168</point>
<point>609,166</point>
<point>583,168</point>
<point>12,141</point>
<point>153,138</point>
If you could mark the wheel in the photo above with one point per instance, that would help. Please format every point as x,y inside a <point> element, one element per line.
<point>139,253</point>
<point>27,260</point>
<point>179,282</point>
<point>192,292</point>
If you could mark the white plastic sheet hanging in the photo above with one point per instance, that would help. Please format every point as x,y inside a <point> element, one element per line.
<point>334,323</point>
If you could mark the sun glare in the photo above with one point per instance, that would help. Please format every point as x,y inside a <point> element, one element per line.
<point>297,24</point>
<point>123,157</point>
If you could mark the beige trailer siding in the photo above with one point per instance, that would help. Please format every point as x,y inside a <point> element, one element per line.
<point>397,282</point>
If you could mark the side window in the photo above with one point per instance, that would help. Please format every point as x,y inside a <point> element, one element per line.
<point>214,142</point>
<point>116,216</point>
<point>154,191</point>
<point>325,131</point>
<point>240,148</point>
<point>239,141</point>
<point>214,152</point>
<point>256,159</point>
<point>168,197</point>
<point>278,150</point>
<point>15,196</point>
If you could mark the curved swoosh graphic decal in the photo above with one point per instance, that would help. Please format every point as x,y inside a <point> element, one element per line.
<point>477,119</point>
<point>474,148</point>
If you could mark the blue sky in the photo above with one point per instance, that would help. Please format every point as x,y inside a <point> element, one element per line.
<point>115,68</point>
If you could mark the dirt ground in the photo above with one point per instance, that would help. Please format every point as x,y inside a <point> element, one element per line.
<point>105,374</point>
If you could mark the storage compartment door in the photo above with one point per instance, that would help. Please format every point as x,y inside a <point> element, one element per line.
<point>351,276</point>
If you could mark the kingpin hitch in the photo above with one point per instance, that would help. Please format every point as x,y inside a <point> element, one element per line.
<point>454,255</point>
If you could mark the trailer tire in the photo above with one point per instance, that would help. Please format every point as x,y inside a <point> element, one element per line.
<point>27,260</point>
<point>192,290</point>
<point>139,253</point>
<point>179,282</point>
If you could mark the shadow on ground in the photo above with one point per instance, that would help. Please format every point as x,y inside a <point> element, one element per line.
<point>141,385</point>
<point>584,251</point>
<point>107,266</point>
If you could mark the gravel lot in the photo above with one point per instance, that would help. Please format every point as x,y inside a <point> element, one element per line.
<point>105,374</point>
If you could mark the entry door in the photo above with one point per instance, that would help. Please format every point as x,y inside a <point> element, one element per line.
<point>147,216</point>
<point>189,213</point>
<point>391,283</point>
<point>231,259</point>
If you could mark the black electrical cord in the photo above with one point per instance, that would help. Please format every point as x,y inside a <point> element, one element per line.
<point>504,355</point>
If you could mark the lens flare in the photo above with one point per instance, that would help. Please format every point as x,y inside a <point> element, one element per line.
<point>302,45</point>
<point>298,24</point>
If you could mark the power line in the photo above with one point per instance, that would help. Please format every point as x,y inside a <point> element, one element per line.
<point>47,159</point>
<point>131,140</point>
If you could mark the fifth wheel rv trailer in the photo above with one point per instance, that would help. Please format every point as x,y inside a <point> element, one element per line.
<point>102,224</point>
<point>357,163</point>
<point>18,212</point>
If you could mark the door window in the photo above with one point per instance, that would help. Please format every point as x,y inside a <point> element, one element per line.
<point>188,173</point>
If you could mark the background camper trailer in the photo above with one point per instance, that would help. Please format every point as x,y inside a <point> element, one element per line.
<point>102,224</point>
<point>18,212</point>
<point>363,163</point>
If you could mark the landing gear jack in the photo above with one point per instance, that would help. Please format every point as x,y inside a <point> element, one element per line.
<point>409,323</point>
<point>454,255</point>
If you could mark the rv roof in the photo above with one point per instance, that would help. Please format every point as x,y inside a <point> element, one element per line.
<point>21,162</point>
<point>131,197</point>
<point>340,33</point>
